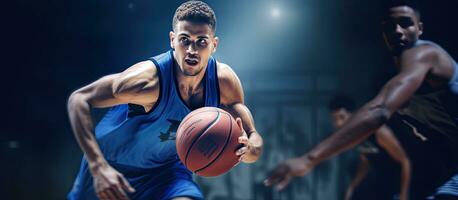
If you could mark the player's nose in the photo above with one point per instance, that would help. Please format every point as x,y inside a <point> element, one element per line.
<point>192,49</point>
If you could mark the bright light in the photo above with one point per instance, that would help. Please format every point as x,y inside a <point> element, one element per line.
<point>275,12</point>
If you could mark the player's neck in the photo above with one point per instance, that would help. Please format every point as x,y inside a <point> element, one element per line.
<point>189,82</point>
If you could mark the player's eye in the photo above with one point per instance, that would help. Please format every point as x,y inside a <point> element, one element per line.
<point>405,22</point>
<point>185,41</point>
<point>202,43</point>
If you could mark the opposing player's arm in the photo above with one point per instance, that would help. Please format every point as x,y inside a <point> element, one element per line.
<point>232,100</point>
<point>387,140</point>
<point>415,64</point>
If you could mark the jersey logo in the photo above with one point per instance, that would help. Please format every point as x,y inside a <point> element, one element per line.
<point>171,132</point>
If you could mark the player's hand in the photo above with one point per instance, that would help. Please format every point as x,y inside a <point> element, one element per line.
<point>249,153</point>
<point>287,170</point>
<point>110,184</point>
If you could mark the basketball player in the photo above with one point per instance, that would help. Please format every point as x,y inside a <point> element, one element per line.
<point>133,154</point>
<point>384,168</point>
<point>425,92</point>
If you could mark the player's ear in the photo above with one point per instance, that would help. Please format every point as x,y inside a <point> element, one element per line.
<point>215,44</point>
<point>172,37</point>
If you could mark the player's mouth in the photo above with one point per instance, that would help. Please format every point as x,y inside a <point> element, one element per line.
<point>400,42</point>
<point>191,61</point>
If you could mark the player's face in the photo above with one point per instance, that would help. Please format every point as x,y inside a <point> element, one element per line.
<point>401,28</point>
<point>193,44</point>
<point>339,117</point>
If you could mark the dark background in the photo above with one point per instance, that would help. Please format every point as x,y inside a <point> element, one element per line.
<point>290,61</point>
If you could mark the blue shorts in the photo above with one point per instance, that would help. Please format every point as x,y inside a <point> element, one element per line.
<point>163,183</point>
<point>450,188</point>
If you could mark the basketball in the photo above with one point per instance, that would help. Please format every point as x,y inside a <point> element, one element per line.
<point>207,140</point>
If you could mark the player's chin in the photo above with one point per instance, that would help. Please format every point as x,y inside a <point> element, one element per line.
<point>191,71</point>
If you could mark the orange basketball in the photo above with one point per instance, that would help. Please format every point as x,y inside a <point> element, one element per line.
<point>207,140</point>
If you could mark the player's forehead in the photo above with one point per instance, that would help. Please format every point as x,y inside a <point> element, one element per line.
<point>191,29</point>
<point>401,12</point>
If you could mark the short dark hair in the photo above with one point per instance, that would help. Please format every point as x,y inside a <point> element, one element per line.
<point>341,101</point>
<point>388,4</point>
<point>196,12</point>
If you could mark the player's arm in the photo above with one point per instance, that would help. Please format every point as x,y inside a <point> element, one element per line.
<point>232,100</point>
<point>415,64</point>
<point>361,173</point>
<point>387,140</point>
<point>139,85</point>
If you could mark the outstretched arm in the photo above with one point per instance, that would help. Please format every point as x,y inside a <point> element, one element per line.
<point>387,140</point>
<point>232,100</point>
<point>415,64</point>
<point>135,85</point>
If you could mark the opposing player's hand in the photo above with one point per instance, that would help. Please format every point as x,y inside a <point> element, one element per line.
<point>287,170</point>
<point>248,153</point>
<point>110,184</point>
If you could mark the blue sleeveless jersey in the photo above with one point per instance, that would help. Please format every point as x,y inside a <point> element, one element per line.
<point>141,146</point>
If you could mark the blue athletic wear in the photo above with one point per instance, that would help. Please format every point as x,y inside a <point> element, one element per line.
<point>141,145</point>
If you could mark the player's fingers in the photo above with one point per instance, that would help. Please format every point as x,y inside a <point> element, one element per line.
<point>243,140</point>
<point>241,158</point>
<point>125,184</point>
<point>102,195</point>
<point>283,183</point>
<point>272,179</point>
<point>109,195</point>
<point>238,120</point>
<point>241,151</point>
<point>119,192</point>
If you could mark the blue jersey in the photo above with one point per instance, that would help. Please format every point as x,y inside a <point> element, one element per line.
<point>141,145</point>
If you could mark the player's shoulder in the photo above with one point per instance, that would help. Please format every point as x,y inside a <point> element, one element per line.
<point>229,84</point>
<point>226,74</point>
<point>225,71</point>
<point>144,71</point>
<point>143,67</point>
<point>426,52</point>
<point>142,75</point>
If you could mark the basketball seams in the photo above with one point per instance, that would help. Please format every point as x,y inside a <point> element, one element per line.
<point>199,135</point>
<point>190,116</point>
<point>224,147</point>
<point>183,122</point>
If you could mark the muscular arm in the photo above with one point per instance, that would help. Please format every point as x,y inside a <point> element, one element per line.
<point>387,140</point>
<point>135,85</point>
<point>232,100</point>
<point>415,64</point>
<point>139,85</point>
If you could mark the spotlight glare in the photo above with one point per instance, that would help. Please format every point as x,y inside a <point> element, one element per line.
<point>275,12</point>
